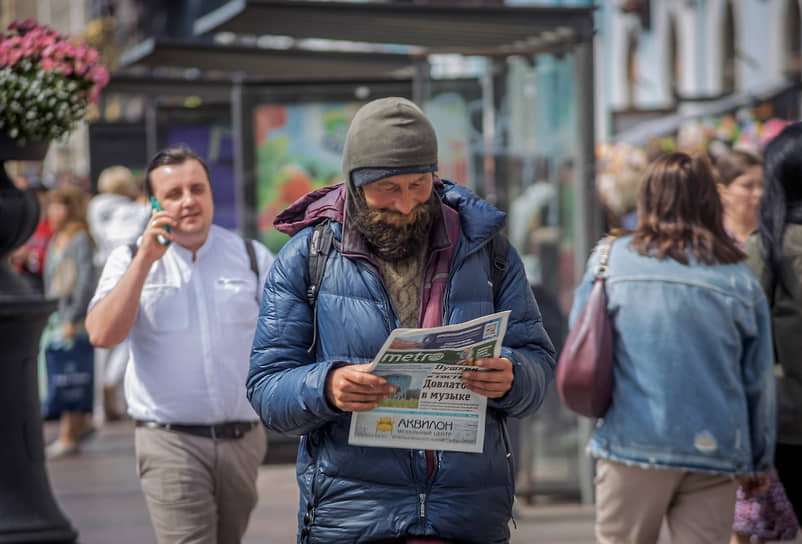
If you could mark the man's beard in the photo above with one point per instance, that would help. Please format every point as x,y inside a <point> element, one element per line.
<point>391,235</point>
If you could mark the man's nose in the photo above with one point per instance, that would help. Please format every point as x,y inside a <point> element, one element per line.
<point>187,198</point>
<point>405,202</point>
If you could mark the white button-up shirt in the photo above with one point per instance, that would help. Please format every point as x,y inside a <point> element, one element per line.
<point>191,341</point>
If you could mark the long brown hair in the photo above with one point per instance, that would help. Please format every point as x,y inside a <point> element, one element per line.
<point>75,201</point>
<point>680,212</point>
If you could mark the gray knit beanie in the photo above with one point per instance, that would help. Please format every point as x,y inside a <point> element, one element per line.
<point>388,137</point>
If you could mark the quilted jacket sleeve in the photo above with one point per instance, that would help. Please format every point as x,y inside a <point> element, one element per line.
<point>285,384</point>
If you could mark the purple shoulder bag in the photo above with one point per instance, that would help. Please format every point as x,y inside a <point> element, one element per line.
<point>585,368</point>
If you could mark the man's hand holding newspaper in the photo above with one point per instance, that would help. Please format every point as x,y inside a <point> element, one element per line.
<point>492,384</point>
<point>426,388</point>
<point>353,388</point>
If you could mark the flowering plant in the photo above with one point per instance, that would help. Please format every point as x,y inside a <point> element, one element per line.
<point>46,82</point>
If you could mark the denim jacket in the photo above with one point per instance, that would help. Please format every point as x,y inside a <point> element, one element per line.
<point>693,378</point>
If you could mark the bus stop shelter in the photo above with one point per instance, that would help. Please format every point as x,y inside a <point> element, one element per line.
<point>251,55</point>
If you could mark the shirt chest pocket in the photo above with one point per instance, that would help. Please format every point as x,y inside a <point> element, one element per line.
<point>236,301</point>
<point>164,307</point>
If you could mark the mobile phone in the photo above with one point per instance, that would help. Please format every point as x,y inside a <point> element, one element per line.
<point>154,204</point>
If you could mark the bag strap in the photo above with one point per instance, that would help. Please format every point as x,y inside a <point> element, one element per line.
<point>604,256</point>
<point>499,249</point>
<point>319,248</point>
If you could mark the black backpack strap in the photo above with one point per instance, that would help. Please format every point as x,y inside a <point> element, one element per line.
<point>319,249</point>
<point>499,249</point>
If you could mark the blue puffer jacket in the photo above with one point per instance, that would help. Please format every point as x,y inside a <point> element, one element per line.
<point>362,494</point>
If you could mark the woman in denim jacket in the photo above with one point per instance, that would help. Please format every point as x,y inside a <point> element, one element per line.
<point>693,406</point>
<point>775,255</point>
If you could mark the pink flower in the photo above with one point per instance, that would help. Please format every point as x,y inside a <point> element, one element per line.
<point>65,58</point>
<point>46,41</point>
<point>27,24</point>
<point>14,56</point>
<point>65,68</point>
<point>99,75</point>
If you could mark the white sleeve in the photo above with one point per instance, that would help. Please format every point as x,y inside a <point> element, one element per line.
<point>113,270</point>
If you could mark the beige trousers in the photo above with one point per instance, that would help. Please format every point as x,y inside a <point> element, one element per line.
<point>632,503</point>
<point>199,490</point>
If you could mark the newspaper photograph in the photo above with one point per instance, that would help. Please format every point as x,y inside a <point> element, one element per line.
<point>432,408</point>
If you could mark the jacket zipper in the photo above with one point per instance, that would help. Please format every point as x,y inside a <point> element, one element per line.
<point>451,270</point>
<point>309,517</point>
<point>505,439</point>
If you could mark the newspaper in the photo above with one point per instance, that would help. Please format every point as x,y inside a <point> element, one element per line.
<point>432,408</point>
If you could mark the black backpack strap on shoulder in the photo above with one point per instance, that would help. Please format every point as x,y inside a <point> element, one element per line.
<point>319,249</point>
<point>254,265</point>
<point>499,249</point>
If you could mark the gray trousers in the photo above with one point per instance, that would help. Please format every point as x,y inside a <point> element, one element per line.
<point>199,490</point>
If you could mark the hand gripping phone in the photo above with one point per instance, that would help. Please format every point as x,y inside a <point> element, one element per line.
<point>154,204</point>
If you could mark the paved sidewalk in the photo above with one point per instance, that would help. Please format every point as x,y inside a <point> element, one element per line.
<point>99,492</point>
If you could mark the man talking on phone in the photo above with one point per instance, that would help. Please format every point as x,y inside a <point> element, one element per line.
<point>187,298</point>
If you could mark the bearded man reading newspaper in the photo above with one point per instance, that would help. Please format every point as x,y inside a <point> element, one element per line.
<point>412,251</point>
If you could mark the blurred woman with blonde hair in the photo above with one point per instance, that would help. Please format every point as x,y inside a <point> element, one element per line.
<point>69,277</point>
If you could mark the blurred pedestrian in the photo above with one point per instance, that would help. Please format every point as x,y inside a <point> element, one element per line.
<point>693,400</point>
<point>763,514</point>
<point>775,255</point>
<point>739,177</point>
<point>187,299</point>
<point>29,259</point>
<point>69,277</point>
<point>115,219</point>
<point>393,223</point>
